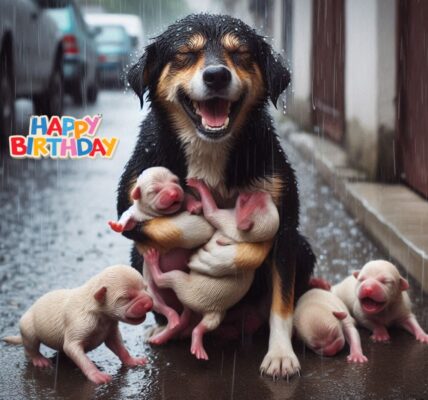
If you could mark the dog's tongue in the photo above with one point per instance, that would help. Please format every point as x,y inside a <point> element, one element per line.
<point>214,112</point>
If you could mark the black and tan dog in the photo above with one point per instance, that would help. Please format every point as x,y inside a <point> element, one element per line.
<point>209,79</point>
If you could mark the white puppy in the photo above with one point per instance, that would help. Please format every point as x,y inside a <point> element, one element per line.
<point>79,320</point>
<point>323,323</point>
<point>377,298</point>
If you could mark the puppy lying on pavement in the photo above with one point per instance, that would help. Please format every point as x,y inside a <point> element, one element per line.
<point>377,298</point>
<point>79,320</point>
<point>323,323</point>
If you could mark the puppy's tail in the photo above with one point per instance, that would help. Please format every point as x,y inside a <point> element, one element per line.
<point>13,340</point>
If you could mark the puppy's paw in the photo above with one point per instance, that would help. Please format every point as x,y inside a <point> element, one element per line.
<point>99,378</point>
<point>280,364</point>
<point>41,362</point>
<point>357,358</point>
<point>116,226</point>
<point>199,352</point>
<point>380,337</point>
<point>193,183</point>
<point>193,206</point>
<point>135,361</point>
<point>152,257</point>
<point>422,337</point>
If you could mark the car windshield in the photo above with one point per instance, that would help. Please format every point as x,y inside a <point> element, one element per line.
<point>111,35</point>
<point>62,17</point>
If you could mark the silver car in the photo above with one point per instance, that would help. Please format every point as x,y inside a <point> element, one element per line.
<point>31,57</point>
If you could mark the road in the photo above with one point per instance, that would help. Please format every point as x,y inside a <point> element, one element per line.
<point>54,234</point>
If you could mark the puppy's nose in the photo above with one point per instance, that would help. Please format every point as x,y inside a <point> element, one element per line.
<point>367,291</point>
<point>217,77</point>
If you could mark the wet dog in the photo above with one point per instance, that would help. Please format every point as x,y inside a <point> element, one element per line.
<point>209,79</point>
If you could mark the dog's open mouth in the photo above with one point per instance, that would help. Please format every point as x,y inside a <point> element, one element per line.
<point>212,117</point>
<point>371,306</point>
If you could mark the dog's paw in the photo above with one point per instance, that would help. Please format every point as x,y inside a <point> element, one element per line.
<point>280,365</point>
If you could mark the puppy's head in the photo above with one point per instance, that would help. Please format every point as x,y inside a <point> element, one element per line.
<point>158,192</point>
<point>379,284</point>
<point>321,329</point>
<point>207,72</point>
<point>120,293</point>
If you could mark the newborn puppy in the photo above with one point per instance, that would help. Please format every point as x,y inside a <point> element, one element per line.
<point>323,323</point>
<point>377,298</point>
<point>254,219</point>
<point>79,320</point>
<point>157,192</point>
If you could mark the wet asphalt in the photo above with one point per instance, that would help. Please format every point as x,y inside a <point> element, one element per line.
<point>54,234</point>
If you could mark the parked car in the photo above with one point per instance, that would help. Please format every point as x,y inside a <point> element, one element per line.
<point>132,24</point>
<point>114,48</point>
<point>31,58</point>
<point>80,52</point>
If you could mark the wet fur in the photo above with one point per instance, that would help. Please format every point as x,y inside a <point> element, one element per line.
<point>253,157</point>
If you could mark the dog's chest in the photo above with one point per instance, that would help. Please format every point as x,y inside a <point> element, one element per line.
<point>208,161</point>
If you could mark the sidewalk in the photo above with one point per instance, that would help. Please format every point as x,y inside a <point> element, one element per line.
<point>394,216</point>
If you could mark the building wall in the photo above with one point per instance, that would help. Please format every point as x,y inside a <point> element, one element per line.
<point>361,90</point>
<point>370,84</point>
<point>301,63</point>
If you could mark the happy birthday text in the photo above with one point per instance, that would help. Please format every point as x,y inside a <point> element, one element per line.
<point>62,137</point>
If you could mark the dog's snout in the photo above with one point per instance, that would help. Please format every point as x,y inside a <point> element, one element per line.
<point>217,77</point>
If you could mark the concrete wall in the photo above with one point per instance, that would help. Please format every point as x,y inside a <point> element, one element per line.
<point>370,48</point>
<point>301,64</point>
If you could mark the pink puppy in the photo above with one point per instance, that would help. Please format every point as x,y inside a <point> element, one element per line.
<point>79,320</point>
<point>254,219</point>
<point>157,192</point>
<point>377,298</point>
<point>323,323</point>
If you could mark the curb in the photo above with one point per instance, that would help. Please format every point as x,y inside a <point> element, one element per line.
<point>394,216</point>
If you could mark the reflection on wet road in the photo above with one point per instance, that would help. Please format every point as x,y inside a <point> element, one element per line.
<point>54,233</point>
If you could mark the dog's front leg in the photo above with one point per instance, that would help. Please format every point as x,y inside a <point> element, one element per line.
<point>280,360</point>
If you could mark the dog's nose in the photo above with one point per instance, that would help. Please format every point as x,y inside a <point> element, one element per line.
<point>217,77</point>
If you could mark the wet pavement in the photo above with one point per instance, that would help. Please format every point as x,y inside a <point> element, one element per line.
<point>54,233</point>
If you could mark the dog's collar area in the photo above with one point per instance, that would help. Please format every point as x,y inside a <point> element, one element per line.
<point>212,117</point>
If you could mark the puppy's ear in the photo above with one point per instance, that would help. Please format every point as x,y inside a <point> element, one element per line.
<point>404,284</point>
<point>340,315</point>
<point>276,76</point>
<point>136,193</point>
<point>355,274</point>
<point>100,295</point>
<point>141,74</point>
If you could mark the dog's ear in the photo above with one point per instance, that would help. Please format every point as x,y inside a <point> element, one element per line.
<point>141,74</point>
<point>276,76</point>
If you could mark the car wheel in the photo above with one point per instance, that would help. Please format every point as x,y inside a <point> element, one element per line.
<point>93,92</point>
<point>7,97</point>
<point>80,90</point>
<point>51,101</point>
